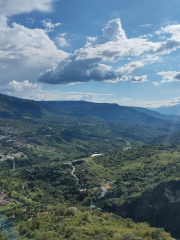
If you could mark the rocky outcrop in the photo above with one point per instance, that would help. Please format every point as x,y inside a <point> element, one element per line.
<point>160,207</point>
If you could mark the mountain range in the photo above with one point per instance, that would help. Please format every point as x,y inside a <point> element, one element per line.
<point>11,107</point>
<point>172,110</point>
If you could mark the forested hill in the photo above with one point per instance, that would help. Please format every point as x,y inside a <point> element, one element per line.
<point>171,139</point>
<point>117,112</point>
<point>12,107</point>
<point>51,185</point>
<point>106,111</point>
<point>15,108</point>
<point>46,201</point>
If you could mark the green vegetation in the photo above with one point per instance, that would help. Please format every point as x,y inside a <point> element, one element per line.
<point>64,222</point>
<point>38,190</point>
<point>3,235</point>
<point>143,184</point>
<point>57,190</point>
<point>41,188</point>
<point>67,223</point>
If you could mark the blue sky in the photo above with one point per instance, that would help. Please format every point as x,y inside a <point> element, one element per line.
<point>125,52</point>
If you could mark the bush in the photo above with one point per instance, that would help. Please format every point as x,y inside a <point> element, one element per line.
<point>70,212</point>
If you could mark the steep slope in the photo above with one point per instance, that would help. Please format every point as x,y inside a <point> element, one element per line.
<point>55,111</point>
<point>51,206</point>
<point>12,107</point>
<point>109,112</point>
<point>158,206</point>
<point>147,185</point>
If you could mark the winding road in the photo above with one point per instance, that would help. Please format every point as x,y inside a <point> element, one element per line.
<point>74,169</point>
<point>106,186</point>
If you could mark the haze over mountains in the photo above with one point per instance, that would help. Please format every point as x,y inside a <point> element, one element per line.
<point>172,110</point>
<point>108,112</point>
<point>12,107</point>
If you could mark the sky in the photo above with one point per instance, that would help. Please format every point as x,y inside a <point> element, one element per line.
<point>109,51</point>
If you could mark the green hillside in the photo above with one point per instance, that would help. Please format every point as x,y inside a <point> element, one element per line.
<point>46,203</point>
<point>173,138</point>
<point>52,186</point>
<point>142,184</point>
<point>11,107</point>
<point>106,111</point>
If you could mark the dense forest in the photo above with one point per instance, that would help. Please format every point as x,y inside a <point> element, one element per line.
<point>82,176</point>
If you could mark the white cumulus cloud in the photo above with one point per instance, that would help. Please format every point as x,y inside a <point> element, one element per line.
<point>20,88</point>
<point>130,67</point>
<point>26,52</point>
<point>47,23</point>
<point>138,79</point>
<point>11,7</point>
<point>169,76</point>
<point>113,30</point>
<point>62,42</point>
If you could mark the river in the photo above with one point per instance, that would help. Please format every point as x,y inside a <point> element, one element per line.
<point>6,227</point>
